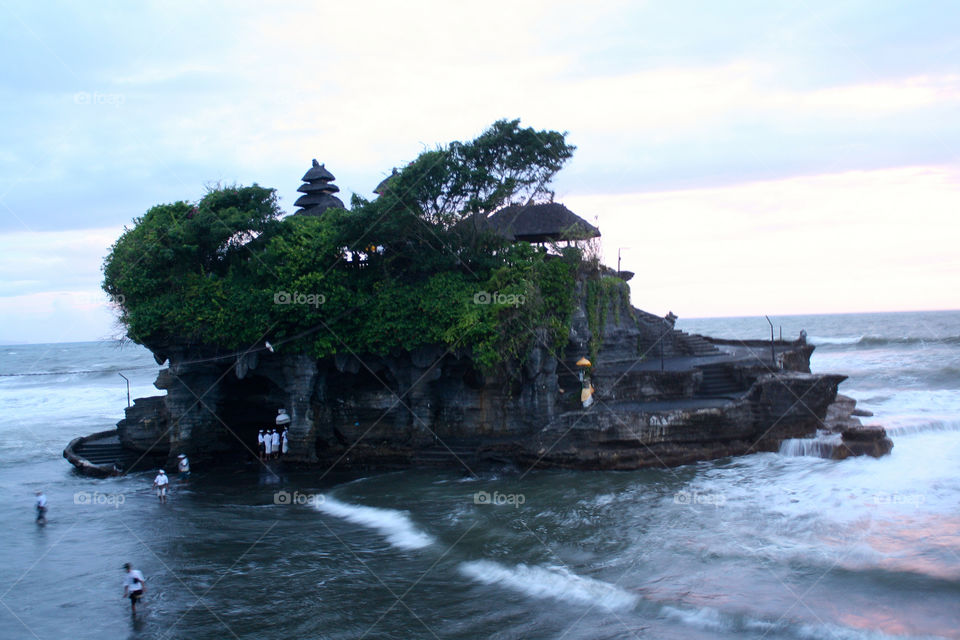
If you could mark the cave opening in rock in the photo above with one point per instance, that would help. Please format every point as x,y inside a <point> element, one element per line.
<point>251,405</point>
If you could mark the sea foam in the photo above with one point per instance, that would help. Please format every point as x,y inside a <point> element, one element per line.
<point>825,340</point>
<point>550,582</point>
<point>396,526</point>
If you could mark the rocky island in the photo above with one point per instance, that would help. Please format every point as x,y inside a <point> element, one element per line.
<point>461,317</point>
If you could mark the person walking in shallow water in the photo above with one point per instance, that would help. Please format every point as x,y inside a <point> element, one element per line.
<point>183,466</point>
<point>275,443</point>
<point>160,484</point>
<point>41,508</point>
<point>133,587</point>
<point>261,445</point>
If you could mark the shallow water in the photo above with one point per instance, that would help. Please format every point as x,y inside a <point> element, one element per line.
<point>761,546</point>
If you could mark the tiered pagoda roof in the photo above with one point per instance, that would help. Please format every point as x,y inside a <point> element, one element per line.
<point>318,190</point>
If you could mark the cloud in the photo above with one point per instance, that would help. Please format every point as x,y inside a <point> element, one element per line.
<point>38,262</point>
<point>701,117</point>
<point>57,316</point>
<point>51,286</point>
<point>880,240</point>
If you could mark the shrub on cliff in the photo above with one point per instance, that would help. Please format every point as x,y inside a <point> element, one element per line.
<point>403,270</point>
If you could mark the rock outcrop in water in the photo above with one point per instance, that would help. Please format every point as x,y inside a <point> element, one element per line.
<point>857,439</point>
<point>868,440</point>
<point>661,397</point>
<point>411,373</point>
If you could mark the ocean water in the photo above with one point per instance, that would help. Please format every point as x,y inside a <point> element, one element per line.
<point>760,546</point>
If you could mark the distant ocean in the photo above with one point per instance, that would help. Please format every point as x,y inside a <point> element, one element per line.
<point>760,546</point>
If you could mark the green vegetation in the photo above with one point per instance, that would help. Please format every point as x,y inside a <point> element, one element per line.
<point>405,269</point>
<point>605,292</point>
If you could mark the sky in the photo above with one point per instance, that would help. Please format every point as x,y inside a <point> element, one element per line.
<point>741,157</point>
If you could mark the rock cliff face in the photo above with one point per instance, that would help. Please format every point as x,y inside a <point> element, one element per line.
<point>662,397</point>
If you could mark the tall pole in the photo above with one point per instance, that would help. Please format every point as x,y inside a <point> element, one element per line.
<point>128,387</point>
<point>663,334</point>
<point>618,258</point>
<point>773,349</point>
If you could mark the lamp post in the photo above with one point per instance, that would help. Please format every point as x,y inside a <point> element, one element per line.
<point>663,333</point>
<point>773,349</point>
<point>618,258</point>
<point>669,321</point>
<point>128,387</point>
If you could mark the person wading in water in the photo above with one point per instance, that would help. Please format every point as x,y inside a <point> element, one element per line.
<point>41,508</point>
<point>160,484</point>
<point>133,587</point>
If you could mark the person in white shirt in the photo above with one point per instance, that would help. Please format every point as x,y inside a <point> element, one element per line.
<point>183,466</point>
<point>285,445</point>
<point>261,446</point>
<point>133,587</point>
<point>275,441</point>
<point>41,508</point>
<point>268,445</point>
<point>160,484</point>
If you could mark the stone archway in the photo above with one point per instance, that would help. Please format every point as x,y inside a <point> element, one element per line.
<point>246,405</point>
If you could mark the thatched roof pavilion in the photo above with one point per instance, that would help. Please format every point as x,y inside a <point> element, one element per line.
<point>549,222</point>
<point>381,188</point>
<point>318,190</point>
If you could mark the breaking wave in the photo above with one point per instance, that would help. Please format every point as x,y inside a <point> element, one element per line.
<point>817,447</point>
<point>713,620</point>
<point>821,341</point>
<point>550,582</point>
<point>880,341</point>
<point>928,427</point>
<point>395,526</point>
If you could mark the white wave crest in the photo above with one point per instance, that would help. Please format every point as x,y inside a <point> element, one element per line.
<point>818,447</point>
<point>702,618</point>
<point>395,526</point>
<point>550,582</point>
<point>824,340</point>
<point>933,426</point>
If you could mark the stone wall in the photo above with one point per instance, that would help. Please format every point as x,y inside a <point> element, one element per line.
<point>145,426</point>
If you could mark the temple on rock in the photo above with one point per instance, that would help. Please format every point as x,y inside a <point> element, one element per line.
<point>624,390</point>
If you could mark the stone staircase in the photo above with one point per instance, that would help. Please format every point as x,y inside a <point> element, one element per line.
<point>648,348</point>
<point>717,381</point>
<point>100,452</point>
<point>695,344</point>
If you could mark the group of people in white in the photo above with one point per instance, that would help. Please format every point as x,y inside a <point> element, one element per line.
<point>272,444</point>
